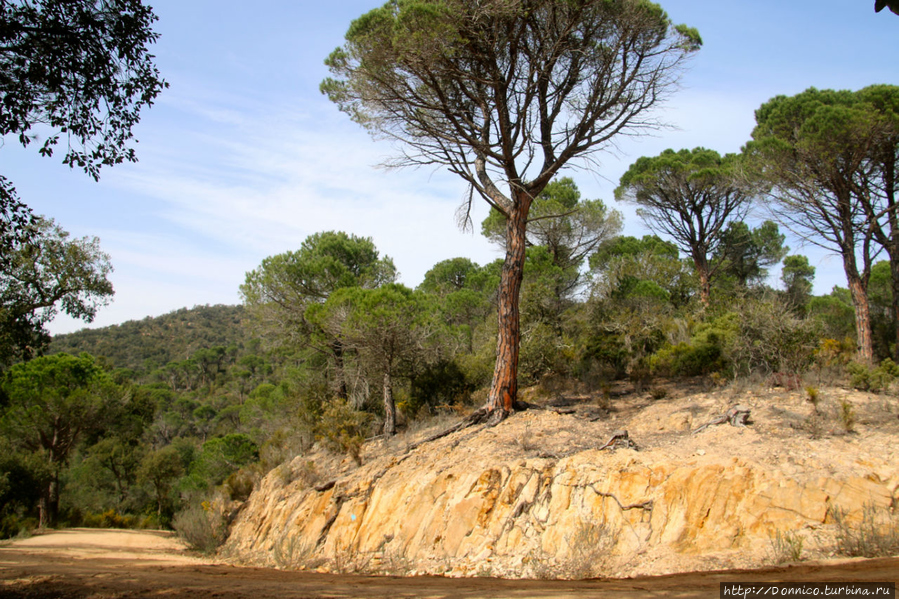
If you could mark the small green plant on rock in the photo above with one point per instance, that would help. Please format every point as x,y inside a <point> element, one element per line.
<point>342,428</point>
<point>847,416</point>
<point>786,547</point>
<point>813,395</point>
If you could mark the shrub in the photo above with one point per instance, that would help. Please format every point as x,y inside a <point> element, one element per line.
<point>658,393</point>
<point>685,359</point>
<point>875,380</point>
<point>441,383</point>
<point>847,416</point>
<point>770,337</point>
<point>343,428</point>
<point>13,525</point>
<point>240,484</point>
<point>831,352</point>
<point>543,351</point>
<point>111,518</point>
<point>876,535</point>
<point>201,527</point>
<point>220,457</point>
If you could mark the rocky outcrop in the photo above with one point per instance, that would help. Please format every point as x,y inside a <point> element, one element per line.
<point>532,498</point>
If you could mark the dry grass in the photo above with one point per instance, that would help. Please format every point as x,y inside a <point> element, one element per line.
<point>876,535</point>
<point>786,547</point>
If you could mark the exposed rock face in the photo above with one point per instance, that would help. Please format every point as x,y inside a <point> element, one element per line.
<point>531,498</point>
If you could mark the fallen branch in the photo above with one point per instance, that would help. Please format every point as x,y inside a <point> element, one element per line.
<point>737,416</point>
<point>620,438</point>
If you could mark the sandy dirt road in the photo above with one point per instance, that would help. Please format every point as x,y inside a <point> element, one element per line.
<point>115,564</point>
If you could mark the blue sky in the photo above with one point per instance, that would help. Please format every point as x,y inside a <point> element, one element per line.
<point>242,158</point>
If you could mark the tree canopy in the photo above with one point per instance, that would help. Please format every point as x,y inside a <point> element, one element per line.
<point>569,227</point>
<point>690,196</point>
<point>80,70</point>
<point>506,94</point>
<point>45,274</point>
<point>821,152</point>
<point>280,290</point>
<point>52,402</point>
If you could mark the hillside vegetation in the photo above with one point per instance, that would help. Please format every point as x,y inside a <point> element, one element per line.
<point>145,345</point>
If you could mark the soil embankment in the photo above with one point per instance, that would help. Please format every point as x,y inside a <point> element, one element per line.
<point>549,493</point>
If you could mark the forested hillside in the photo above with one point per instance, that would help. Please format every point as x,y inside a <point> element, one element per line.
<point>144,345</point>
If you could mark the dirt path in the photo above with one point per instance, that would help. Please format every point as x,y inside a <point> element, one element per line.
<point>116,564</point>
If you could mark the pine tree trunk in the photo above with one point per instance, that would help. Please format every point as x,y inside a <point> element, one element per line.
<point>49,503</point>
<point>894,288</point>
<point>504,389</point>
<point>389,406</point>
<point>43,508</point>
<point>862,319</point>
<point>892,247</point>
<point>701,264</point>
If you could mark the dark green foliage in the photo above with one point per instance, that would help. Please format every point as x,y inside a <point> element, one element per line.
<point>448,276</point>
<point>53,402</point>
<point>439,384</point>
<point>219,458</point>
<point>605,357</point>
<point>692,196</point>
<point>144,345</point>
<point>41,275</point>
<point>797,276</point>
<point>569,228</point>
<point>647,267</point>
<point>829,159</point>
<point>875,380</point>
<point>22,476</point>
<point>82,68</point>
<point>161,468</point>
<point>835,312</point>
<point>686,359</point>
<point>77,70</point>
<point>745,255</point>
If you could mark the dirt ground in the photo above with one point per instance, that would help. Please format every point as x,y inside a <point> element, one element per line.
<point>116,564</point>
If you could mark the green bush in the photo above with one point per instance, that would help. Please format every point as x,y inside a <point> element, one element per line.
<point>605,357</point>
<point>110,518</point>
<point>875,380</point>
<point>440,384</point>
<point>543,351</point>
<point>343,428</point>
<point>220,457</point>
<point>13,525</point>
<point>685,359</point>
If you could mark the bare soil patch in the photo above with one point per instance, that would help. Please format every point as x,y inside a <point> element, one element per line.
<point>107,564</point>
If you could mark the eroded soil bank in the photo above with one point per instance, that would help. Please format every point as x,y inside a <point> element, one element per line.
<point>545,494</point>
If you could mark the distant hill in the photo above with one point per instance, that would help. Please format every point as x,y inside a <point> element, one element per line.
<point>143,345</point>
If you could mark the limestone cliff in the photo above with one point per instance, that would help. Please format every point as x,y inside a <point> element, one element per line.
<point>535,497</point>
